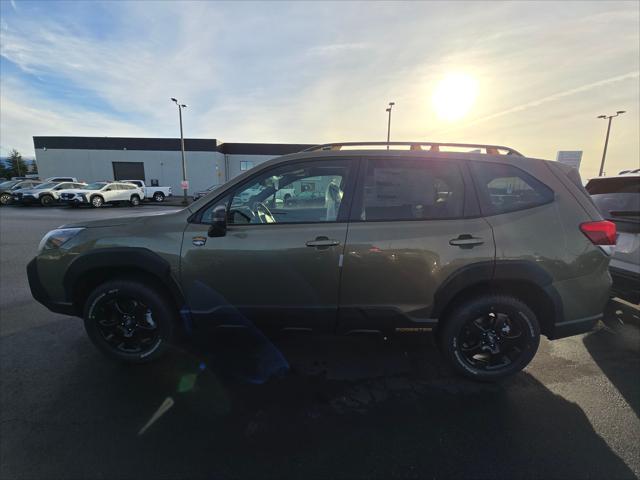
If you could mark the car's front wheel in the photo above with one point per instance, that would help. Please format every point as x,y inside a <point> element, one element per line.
<point>46,200</point>
<point>490,337</point>
<point>97,201</point>
<point>129,321</point>
<point>5,199</point>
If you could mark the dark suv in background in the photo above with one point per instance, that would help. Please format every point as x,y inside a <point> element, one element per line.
<point>479,244</point>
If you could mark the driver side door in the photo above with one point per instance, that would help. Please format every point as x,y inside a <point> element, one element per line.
<point>278,265</point>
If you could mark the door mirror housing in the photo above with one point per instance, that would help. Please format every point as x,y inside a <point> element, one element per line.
<point>218,226</point>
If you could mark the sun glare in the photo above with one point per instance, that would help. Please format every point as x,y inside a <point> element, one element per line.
<point>454,96</point>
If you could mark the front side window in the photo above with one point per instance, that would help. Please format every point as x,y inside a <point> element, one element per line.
<point>46,186</point>
<point>96,186</point>
<point>412,189</point>
<point>504,188</point>
<point>308,192</point>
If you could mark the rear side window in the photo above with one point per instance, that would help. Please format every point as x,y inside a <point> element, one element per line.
<point>504,188</point>
<point>412,189</point>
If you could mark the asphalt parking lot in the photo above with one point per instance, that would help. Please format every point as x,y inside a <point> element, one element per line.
<point>349,408</point>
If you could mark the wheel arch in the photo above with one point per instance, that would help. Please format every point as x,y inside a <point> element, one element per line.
<point>91,269</point>
<point>523,279</point>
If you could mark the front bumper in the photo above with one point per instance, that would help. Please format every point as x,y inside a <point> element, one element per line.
<point>74,201</point>
<point>39,293</point>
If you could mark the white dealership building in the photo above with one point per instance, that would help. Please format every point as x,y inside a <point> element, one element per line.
<point>153,160</point>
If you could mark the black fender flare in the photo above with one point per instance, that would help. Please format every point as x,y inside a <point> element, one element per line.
<point>138,258</point>
<point>486,273</point>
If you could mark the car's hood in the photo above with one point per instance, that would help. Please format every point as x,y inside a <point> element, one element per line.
<point>117,221</point>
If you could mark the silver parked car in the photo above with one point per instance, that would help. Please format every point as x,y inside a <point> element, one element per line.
<point>45,194</point>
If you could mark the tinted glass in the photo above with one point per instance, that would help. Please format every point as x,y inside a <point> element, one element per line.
<point>504,188</point>
<point>207,215</point>
<point>307,192</point>
<point>43,186</point>
<point>412,189</point>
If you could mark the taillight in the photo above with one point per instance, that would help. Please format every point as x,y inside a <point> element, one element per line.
<point>601,233</point>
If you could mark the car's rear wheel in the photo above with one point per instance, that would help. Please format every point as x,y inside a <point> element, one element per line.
<point>158,197</point>
<point>135,201</point>
<point>46,200</point>
<point>5,199</point>
<point>97,201</point>
<point>490,337</point>
<point>129,321</point>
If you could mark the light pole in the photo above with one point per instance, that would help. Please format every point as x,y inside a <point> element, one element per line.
<point>391,104</point>
<point>184,165</point>
<point>606,141</point>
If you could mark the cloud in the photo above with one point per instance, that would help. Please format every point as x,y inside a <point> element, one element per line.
<point>556,96</point>
<point>288,72</point>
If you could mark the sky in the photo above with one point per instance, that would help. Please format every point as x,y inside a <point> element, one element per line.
<point>533,76</point>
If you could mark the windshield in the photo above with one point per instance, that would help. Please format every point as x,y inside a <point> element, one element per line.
<point>46,185</point>
<point>95,186</point>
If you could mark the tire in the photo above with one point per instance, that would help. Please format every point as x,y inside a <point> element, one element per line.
<point>125,332</point>
<point>158,197</point>
<point>97,201</point>
<point>135,201</point>
<point>46,200</point>
<point>490,337</point>
<point>5,199</point>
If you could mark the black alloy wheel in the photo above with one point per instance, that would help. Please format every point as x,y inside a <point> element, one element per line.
<point>492,341</point>
<point>130,321</point>
<point>490,336</point>
<point>126,324</point>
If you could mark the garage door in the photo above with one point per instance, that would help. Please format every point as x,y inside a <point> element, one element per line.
<point>128,171</point>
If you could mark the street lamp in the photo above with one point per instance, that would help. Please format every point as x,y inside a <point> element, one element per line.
<point>184,166</point>
<point>391,104</point>
<point>606,141</point>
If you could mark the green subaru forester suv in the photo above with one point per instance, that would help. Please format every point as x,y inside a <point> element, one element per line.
<point>478,244</point>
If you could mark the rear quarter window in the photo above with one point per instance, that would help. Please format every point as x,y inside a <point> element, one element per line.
<point>505,188</point>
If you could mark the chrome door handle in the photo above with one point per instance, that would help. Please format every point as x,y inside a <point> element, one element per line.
<point>466,241</point>
<point>322,242</point>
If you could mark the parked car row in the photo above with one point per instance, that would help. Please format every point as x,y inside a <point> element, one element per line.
<point>67,190</point>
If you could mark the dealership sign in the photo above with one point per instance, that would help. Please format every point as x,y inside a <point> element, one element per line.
<point>571,158</point>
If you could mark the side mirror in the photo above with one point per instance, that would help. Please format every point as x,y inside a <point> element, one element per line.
<point>218,226</point>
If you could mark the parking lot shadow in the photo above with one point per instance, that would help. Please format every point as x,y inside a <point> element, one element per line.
<point>352,408</point>
<point>617,353</point>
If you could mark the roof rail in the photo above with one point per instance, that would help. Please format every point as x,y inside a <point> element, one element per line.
<point>433,147</point>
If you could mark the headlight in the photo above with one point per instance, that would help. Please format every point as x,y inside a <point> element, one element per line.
<point>58,237</point>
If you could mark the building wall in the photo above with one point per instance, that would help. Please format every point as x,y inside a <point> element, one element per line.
<point>165,166</point>
<point>233,162</point>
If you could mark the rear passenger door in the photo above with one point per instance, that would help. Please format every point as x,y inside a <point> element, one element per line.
<point>414,222</point>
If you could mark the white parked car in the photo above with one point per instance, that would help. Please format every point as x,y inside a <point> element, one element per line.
<point>157,194</point>
<point>98,193</point>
